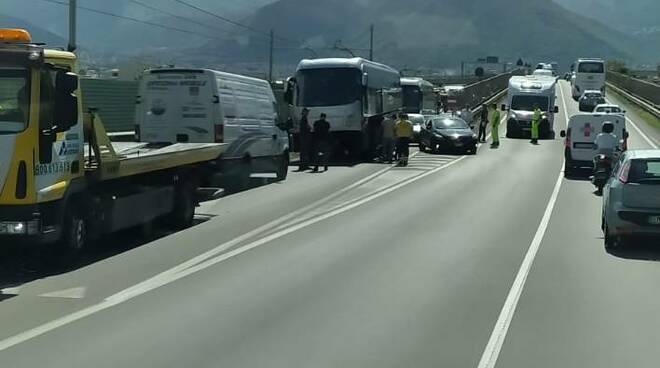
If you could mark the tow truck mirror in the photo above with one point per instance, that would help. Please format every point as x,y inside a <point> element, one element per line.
<point>626,135</point>
<point>66,102</point>
<point>556,109</point>
<point>503,107</point>
<point>562,134</point>
<point>365,79</point>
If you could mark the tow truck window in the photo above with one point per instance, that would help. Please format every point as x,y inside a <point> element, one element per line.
<point>14,100</point>
<point>526,103</point>
<point>591,68</point>
<point>46,100</point>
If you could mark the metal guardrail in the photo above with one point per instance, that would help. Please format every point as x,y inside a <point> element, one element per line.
<point>637,87</point>
<point>478,93</point>
<point>653,110</point>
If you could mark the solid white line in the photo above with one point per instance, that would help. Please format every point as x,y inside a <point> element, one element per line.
<point>494,346</point>
<point>179,272</point>
<point>646,137</point>
<point>648,140</point>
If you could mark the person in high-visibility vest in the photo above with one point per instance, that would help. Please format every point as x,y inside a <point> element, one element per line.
<point>536,119</point>
<point>495,125</point>
<point>403,129</point>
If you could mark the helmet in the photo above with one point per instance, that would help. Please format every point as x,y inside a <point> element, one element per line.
<point>608,127</point>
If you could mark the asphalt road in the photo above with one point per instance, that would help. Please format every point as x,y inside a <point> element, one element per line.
<point>476,261</point>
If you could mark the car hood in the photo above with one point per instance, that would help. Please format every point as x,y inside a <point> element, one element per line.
<point>454,132</point>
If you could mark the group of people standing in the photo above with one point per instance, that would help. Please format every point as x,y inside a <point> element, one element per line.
<point>489,115</point>
<point>315,144</point>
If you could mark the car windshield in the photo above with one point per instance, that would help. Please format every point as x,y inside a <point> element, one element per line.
<point>450,123</point>
<point>646,170</point>
<point>412,98</point>
<point>608,109</point>
<point>328,87</point>
<point>591,67</point>
<point>526,103</point>
<point>14,100</point>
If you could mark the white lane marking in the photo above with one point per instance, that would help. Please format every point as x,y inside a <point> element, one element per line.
<point>494,346</point>
<point>191,267</point>
<point>648,140</point>
<point>72,293</point>
<point>11,290</point>
<point>563,102</point>
<point>639,130</point>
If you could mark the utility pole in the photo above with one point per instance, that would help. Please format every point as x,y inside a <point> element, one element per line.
<point>270,59</point>
<point>371,43</point>
<point>73,6</point>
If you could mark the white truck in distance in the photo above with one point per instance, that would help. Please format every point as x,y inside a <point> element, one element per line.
<point>589,75</point>
<point>523,93</point>
<point>355,94</point>
<point>208,106</point>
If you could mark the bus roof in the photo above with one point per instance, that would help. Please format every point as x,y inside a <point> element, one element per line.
<point>357,63</point>
<point>590,60</point>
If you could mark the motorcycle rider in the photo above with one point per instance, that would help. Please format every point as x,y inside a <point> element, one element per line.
<point>606,143</point>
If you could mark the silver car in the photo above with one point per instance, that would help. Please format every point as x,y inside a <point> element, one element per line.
<point>631,198</point>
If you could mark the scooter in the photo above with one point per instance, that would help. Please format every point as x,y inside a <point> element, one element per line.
<point>602,171</point>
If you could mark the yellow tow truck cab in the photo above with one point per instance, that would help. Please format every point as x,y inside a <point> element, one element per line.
<point>61,179</point>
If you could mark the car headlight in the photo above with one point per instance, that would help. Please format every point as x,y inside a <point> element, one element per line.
<point>13,228</point>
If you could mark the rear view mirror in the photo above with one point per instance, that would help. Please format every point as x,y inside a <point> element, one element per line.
<point>626,135</point>
<point>562,134</point>
<point>503,107</point>
<point>365,79</point>
<point>556,109</point>
<point>66,102</point>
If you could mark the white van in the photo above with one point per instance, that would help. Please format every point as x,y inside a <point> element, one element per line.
<point>589,75</point>
<point>208,106</point>
<point>580,135</point>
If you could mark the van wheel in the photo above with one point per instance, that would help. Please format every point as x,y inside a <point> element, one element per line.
<point>283,166</point>
<point>75,231</point>
<point>185,203</point>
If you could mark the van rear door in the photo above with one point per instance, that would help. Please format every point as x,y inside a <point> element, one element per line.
<point>177,106</point>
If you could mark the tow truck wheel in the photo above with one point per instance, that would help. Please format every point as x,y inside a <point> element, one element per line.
<point>184,208</point>
<point>283,166</point>
<point>75,231</point>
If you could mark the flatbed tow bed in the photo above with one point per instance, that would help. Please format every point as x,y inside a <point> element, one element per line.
<point>61,178</point>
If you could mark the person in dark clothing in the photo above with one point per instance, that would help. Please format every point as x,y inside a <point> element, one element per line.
<point>483,122</point>
<point>305,137</point>
<point>321,143</point>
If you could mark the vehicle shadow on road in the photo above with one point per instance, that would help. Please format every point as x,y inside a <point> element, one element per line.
<point>579,175</point>
<point>21,265</point>
<point>639,249</point>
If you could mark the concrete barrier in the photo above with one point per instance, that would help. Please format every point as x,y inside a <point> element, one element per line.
<point>637,87</point>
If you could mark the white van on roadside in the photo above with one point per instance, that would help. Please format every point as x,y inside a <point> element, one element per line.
<point>208,106</point>
<point>580,135</point>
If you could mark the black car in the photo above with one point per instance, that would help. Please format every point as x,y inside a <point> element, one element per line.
<point>447,133</point>
<point>590,99</point>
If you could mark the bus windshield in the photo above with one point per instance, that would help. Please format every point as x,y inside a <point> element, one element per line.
<point>328,87</point>
<point>526,103</point>
<point>591,67</point>
<point>412,99</point>
<point>14,100</point>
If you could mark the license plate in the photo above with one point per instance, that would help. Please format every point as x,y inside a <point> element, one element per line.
<point>584,145</point>
<point>654,220</point>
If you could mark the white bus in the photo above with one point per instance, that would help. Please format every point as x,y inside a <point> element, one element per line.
<point>418,95</point>
<point>589,75</point>
<point>355,94</point>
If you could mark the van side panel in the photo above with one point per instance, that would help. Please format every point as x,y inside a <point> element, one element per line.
<point>249,116</point>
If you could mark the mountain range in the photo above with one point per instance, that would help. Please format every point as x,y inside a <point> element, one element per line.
<point>432,33</point>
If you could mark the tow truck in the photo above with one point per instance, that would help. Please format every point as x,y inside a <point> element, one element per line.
<point>62,181</point>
